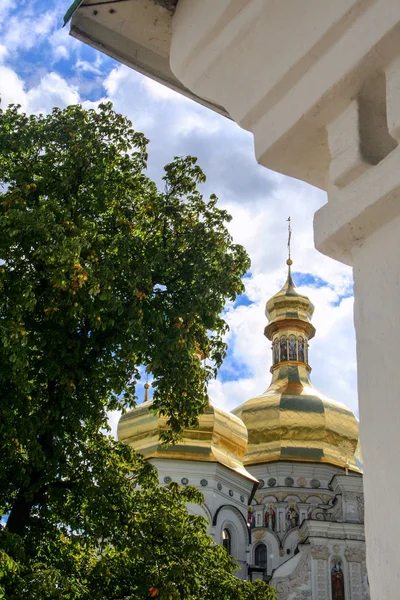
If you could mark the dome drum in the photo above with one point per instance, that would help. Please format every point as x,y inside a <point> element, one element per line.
<point>290,348</point>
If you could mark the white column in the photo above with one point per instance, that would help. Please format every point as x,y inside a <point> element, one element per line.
<point>360,225</point>
<point>377,321</point>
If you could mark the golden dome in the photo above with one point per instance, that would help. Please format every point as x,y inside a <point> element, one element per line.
<point>220,437</point>
<point>292,421</point>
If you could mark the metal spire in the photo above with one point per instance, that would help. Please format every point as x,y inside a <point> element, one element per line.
<point>146,386</point>
<point>289,260</point>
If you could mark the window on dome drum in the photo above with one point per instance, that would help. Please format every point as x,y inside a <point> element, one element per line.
<point>283,348</point>
<point>260,556</point>
<point>300,347</point>
<point>227,541</point>
<point>292,348</point>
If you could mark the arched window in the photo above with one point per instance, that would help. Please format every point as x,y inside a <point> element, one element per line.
<point>283,348</point>
<point>292,348</point>
<point>260,556</point>
<point>276,351</point>
<point>300,346</point>
<point>227,540</point>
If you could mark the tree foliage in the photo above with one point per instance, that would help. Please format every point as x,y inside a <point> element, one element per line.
<point>100,273</point>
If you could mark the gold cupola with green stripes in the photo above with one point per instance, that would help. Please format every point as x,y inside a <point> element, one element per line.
<point>292,421</point>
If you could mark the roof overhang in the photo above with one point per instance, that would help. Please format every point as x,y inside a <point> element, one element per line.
<point>136,33</point>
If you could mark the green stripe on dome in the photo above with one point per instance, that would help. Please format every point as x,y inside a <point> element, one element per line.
<point>293,375</point>
<point>302,453</point>
<point>302,403</point>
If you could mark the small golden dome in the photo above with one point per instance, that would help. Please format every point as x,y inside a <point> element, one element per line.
<point>289,305</point>
<point>292,421</point>
<point>220,437</point>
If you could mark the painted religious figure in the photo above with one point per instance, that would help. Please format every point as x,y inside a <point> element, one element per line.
<point>266,517</point>
<point>292,517</point>
<point>283,348</point>
<point>292,348</point>
<point>337,580</point>
<point>276,351</point>
<point>272,518</point>
<point>300,346</point>
<point>250,519</point>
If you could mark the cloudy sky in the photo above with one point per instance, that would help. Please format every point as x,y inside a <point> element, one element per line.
<point>41,67</point>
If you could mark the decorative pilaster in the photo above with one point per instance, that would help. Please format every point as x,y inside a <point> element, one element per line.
<point>355,557</point>
<point>320,555</point>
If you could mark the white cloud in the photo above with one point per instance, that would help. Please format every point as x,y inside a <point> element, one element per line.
<point>159,91</point>
<point>60,52</point>
<point>90,67</point>
<point>11,88</point>
<point>87,67</point>
<point>3,53</point>
<point>62,43</point>
<point>52,90</point>
<point>113,418</point>
<point>26,31</point>
<point>157,110</point>
<point>123,87</point>
<point>6,6</point>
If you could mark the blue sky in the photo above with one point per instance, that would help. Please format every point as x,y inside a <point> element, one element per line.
<point>42,66</point>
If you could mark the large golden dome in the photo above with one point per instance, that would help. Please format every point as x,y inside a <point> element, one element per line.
<point>220,437</point>
<point>292,421</point>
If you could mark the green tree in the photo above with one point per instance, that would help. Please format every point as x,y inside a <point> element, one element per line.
<point>100,273</point>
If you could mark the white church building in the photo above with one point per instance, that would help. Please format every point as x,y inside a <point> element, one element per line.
<point>281,475</point>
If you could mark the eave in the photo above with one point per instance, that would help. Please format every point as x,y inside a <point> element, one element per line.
<point>136,33</point>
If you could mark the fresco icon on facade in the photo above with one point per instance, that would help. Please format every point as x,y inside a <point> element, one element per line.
<point>337,579</point>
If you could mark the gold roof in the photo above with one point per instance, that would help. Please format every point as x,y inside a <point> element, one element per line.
<point>220,437</point>
<point>292,421</point>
